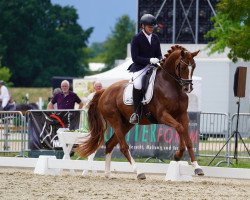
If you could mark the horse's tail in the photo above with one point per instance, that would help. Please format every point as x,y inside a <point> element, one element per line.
<point>97,126</point>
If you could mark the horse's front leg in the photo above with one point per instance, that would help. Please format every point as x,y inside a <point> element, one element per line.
<point>112,142</point>
<point>182,147</point>
<point>185,138</point>
<point>170,121</point>
<point>182,129</point>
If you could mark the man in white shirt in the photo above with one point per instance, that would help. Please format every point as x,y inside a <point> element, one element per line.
<point>4,96</point>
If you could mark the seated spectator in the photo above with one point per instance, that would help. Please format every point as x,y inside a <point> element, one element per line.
<point>97,87</point>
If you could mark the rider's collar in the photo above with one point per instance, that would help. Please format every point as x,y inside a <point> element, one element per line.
<point>147,36</point>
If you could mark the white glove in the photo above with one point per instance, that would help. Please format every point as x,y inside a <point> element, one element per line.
<point>154,60</point>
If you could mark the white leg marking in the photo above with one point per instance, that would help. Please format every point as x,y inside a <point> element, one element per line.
<point>107,165</point>
<point>195,165</point>
<point>134,164</point>
<point>90,160</point>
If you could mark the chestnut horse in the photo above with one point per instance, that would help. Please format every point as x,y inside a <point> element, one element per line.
<point>168,106</point>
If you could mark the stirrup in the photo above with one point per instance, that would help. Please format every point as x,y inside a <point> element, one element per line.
<point>134,119</point>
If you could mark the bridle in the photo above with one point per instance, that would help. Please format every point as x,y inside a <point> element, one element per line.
<point>181,81</point>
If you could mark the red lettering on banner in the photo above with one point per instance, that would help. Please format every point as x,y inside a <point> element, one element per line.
<point>176,137</point>
<point>194,136</point>
<point>170,135</point>
<point>170,131</point>
<point>159,134</point>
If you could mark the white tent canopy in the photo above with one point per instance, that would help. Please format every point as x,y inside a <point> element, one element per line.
<point>116,74</point>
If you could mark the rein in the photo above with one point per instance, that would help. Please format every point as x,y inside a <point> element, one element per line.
<point>178,80</point>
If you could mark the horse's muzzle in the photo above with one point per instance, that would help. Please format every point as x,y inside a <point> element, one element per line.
<point>187,85</point>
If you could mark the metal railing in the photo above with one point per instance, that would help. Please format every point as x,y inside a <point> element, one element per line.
<point>215,130</point>
<point>13,135</point>
<point>243,135</point>
<point>217,138</point>
<point>15,130</point>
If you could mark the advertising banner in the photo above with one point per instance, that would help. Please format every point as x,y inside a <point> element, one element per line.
<point>156,140</point>
<point>145,141</point>
<point>43,126</point>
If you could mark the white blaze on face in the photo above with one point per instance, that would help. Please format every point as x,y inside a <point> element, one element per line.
<point>189,71</point>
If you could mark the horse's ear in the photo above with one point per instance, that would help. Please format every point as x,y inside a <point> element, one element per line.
<point>182,53</point>
<point>195,53</point>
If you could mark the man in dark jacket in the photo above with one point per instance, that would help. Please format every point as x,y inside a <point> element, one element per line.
<point>145,52</point>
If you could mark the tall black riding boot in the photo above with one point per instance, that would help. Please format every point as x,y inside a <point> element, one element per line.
<point>137,98</point>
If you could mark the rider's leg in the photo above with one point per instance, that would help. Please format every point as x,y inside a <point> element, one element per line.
<point>137,98</point>
<point>137,95</point>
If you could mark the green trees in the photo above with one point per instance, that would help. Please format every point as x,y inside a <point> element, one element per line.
<point>232,29</point>
<point>5,75</point>
<point>39,40</point>
<point>115,46</point>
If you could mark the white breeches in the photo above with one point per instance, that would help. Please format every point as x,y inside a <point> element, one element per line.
<point>137,76</point>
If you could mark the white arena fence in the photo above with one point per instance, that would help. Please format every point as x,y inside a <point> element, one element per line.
<point>215,130</point>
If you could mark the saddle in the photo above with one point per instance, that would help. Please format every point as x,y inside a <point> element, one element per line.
<point>147,88</point>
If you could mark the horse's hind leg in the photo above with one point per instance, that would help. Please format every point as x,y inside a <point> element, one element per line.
<point>119,137</point>
<point>110,144</point>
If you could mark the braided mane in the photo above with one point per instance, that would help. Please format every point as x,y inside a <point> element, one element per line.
<point>173,48</point>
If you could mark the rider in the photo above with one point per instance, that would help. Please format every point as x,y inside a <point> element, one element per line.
<point>145,52</point>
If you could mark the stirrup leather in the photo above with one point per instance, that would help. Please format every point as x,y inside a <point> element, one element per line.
<point>134,119</point>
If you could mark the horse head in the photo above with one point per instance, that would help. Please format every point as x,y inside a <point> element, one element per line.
<point>179,64</point>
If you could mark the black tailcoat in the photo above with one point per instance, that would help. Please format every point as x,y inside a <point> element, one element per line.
<point>142,51</point>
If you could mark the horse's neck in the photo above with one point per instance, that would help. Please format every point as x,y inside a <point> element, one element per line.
<point>167,76</point>
<point>166,82</point>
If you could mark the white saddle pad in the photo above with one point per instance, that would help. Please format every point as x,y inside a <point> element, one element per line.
<point>128,91</point>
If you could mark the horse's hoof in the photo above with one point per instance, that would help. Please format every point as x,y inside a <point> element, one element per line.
<point>107,174</point>
<point>141,176</point>
<point>85,172</point>
<point>199,172</point>
<point>176,159</point>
